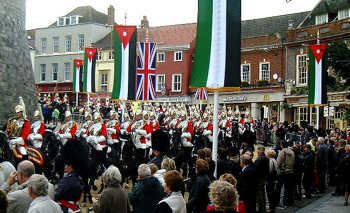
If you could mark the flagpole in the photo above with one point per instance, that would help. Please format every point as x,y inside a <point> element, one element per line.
<point>76,99</point>
<point>215,130</point>
<point>318,107</point>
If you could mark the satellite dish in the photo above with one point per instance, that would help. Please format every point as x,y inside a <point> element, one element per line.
<point>275,76</point>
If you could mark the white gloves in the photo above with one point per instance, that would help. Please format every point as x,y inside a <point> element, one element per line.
<point>207,132</point>
<point>111,130</point>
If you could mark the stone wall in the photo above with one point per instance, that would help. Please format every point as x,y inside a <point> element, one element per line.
<point>16,76</point>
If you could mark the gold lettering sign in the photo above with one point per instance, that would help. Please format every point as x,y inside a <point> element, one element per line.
<point>266,97</point>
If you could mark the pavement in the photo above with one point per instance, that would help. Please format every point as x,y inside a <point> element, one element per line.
<point>326,203</point>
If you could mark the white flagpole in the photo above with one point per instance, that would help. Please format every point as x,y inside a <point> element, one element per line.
<point>215,130</point>
<point>76,100</point>
<point>318,107</point>
<point>88,101</point>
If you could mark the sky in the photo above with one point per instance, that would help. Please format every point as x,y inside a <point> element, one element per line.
<point>42,13</point>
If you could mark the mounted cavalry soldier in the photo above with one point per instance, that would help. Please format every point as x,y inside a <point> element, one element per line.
<point>37,130</point>
<point>113,128</point>
<point>18,130</point>
<point>97,133</point>
<point>85,126</point>
<point>68,129</point>
<point>186,130</point>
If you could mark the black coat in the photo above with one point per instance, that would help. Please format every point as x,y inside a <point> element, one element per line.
<point>247,187</point>
<point>309,163</point>
<point>198,198</point>
<point>322,157</point>
<point>262,165</point>
<point>247,183</point>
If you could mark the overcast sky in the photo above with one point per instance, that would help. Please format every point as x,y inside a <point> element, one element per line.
<point>42,13</point>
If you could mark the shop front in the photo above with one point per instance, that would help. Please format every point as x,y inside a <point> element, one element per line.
<point>259,104</point>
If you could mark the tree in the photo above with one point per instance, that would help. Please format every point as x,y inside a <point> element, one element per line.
<point>337,56</point>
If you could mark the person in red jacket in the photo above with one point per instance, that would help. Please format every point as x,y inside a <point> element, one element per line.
<point>17,130</point>
<point>97,133</point>
<point>37,130</point>
<point>68,129</point>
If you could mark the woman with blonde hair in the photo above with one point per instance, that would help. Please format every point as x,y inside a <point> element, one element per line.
<point>223,196</point>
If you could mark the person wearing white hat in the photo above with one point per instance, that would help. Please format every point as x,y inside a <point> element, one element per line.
<point>138,132</point>
<point>154,121</point>
<point>82,132</point>
<point>37,130</point>
<point>186,129</point>
<point>113,128</point>
<point>18,130</point>
<point>207,127</point>
<point>68,129</point>
<point>97,133</point>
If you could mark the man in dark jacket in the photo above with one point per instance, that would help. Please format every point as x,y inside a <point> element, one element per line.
<point>198,198</point>
<point>247,183</point>
<point>309,167</point>
<point>322,163</point>
<point>262,168</point>
<point>147,192</point>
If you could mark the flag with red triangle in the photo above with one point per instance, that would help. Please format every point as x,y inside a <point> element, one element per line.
<point>124,42</point>
<point>317,77</point>
<point>89,70</point>
<point>78,75</point>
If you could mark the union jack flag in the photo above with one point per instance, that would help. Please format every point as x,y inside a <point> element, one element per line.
<point>201,94</point>
<point>146,68</point>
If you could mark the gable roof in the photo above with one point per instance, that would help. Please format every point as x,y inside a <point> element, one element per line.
<point>270,25</point>
<point>170,35</point>
<point>331,7</point>
<point>89,15</point>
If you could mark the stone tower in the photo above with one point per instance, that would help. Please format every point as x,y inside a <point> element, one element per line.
<point>16,74</point>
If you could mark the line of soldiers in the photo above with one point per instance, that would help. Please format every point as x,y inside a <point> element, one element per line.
<point>147,119</point>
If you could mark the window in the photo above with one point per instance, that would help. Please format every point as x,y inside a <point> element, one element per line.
<point>69,43</point>
<point>301,70</point>
<point>339,113</point>
<point>73,20</point>
<point>178,56</point>
<point>313,115</point>
<point>264,73</point>
<point>55,44</point>
<point>343,14</point>
<point>245,73</point>
<point>160,83</point>
<point>54,72</point>
<point>99,55</point>
<point>42,72</point>
<point>104,82</point>
<point>67,71</point>
<point>302,114</point>
<point>43,45</point>
<point>61,21</point>
<point>322,19</point>
<point>81,42</point>
<point>110,55</point>
<point>176,83</point>
<point>161,57</point>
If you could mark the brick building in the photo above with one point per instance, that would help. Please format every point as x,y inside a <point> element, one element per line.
<point>330,20</point>
<point>175,46</point>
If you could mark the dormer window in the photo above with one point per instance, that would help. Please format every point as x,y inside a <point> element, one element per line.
<point>61,21</point>
<point>343,14</point>
<point>321,19</point>
<point>74,19</point>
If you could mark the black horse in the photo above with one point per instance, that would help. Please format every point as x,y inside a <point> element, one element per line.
<point>6,153</point>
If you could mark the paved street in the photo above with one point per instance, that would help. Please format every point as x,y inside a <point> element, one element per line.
<point>327,203</point>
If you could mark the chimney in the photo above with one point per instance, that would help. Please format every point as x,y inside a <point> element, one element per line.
<point>144,22</point>
<point>111,14</point>
<point>290,24</point>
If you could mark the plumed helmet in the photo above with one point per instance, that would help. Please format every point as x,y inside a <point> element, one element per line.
<point>67,113</point>
<point>19,108</point>
<point>97,115</point>
<point>160,141</point>
<point>36,113</point>
<point>78,160</point>
<point>87,114</point>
